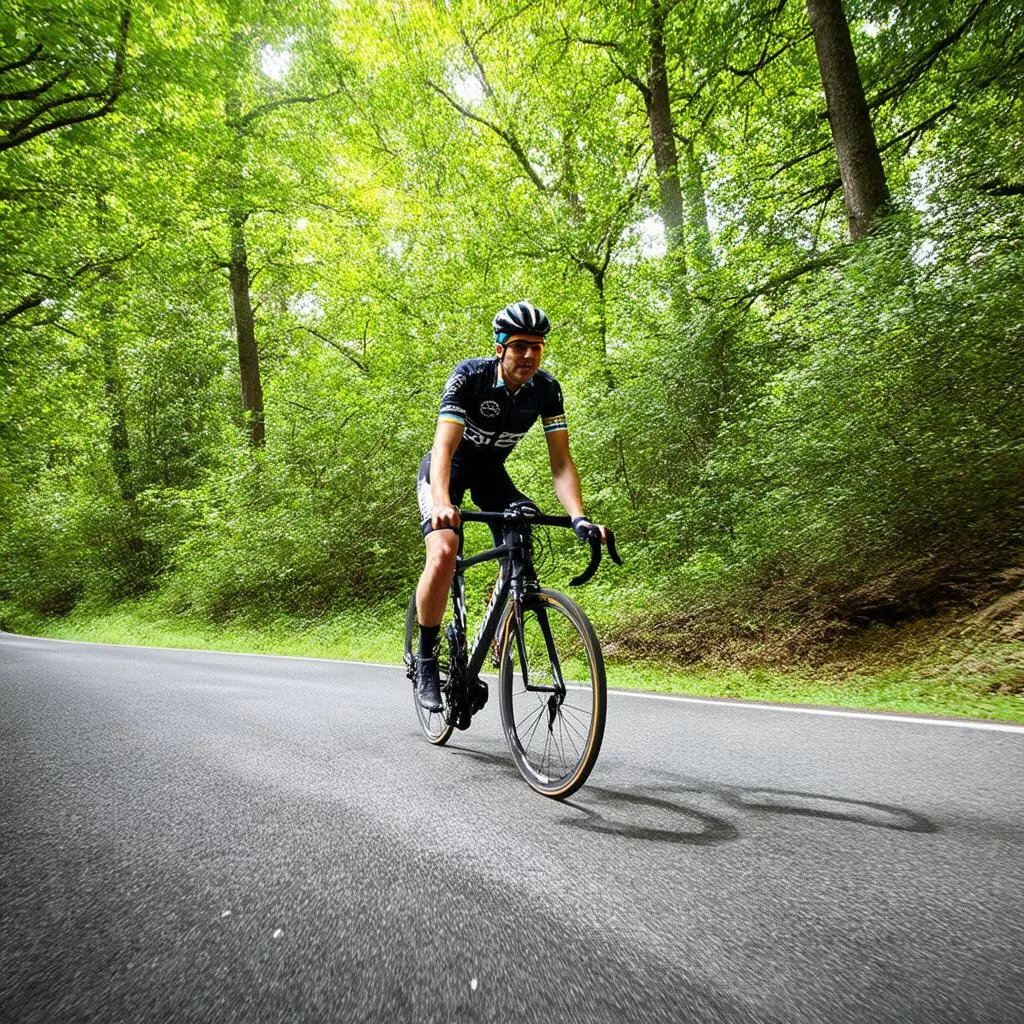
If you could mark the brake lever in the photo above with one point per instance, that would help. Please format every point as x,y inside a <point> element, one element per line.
<point>613,554</point>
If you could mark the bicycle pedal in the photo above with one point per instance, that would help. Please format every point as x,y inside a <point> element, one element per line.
<point>463,719</point>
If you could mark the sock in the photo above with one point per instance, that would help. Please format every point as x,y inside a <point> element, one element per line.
<point>428,639</point>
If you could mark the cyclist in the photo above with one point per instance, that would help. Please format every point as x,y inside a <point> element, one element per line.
<point>487,405</point>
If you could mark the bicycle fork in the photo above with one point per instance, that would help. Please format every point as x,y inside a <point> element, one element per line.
<point>557,690</point>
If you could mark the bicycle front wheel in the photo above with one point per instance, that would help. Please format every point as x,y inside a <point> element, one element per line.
<point>553,693</point>
<point>434,724</point>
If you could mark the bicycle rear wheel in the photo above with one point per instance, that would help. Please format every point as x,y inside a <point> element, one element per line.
<point>434,724</point>
<point>553,693</point>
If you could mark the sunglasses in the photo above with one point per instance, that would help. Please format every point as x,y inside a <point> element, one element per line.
<point>520,348</point>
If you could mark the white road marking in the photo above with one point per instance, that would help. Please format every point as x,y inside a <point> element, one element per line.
<point>727,702</point>
<point>887,716</point>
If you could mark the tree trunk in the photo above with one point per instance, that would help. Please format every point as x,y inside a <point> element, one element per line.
<point>113,384</point>
<point>238,263</point>
<point>865,191</point>
<point>117,437</point>
<point>698,232</point>
<point>245,332</point>
<point>659,116</point>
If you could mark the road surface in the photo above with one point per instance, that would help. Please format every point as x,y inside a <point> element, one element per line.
<point>189,836</point>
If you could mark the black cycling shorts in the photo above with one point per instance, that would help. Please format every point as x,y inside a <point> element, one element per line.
<point>490,488</point>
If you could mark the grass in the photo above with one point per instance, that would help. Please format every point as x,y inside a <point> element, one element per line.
<point>352,636</point>
<point>974,676</point>
<point>907,690</point>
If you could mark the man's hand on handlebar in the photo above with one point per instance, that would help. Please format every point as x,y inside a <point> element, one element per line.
<point>444,515</point>
<point>586,531</point>
<point>594,535</point>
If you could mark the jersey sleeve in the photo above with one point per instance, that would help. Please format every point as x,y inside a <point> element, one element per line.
<point>455,397</point>
<point>552,411</point>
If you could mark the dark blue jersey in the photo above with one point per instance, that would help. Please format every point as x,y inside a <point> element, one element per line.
<point>495,418</point>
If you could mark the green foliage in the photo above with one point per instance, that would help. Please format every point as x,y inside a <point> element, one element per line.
<point>889,450</point>
<point>783,427</point>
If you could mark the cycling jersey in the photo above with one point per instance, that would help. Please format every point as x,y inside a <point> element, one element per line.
<point>495,418</point>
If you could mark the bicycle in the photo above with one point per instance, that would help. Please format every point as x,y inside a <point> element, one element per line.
<point>551,678</point>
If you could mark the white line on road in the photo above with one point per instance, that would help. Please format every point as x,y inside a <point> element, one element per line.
<point>887,716</point>
<point>722,702</point>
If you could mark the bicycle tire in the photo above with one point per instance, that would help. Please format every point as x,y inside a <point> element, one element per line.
<point>435,725</point>
<point>558,760</point>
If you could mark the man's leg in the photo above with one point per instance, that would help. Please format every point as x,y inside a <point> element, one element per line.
<point>432,591</point>
<point>436,578</point>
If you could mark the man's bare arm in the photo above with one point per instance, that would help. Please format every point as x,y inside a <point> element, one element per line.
<point>566,477</point>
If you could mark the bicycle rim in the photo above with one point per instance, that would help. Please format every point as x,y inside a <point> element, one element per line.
<point>433,724</point>
<point>554,742</point>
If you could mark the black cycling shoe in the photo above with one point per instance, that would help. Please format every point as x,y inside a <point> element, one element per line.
<point>428,684</point>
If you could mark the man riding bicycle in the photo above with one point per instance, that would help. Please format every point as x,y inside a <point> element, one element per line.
<point>487,405</point>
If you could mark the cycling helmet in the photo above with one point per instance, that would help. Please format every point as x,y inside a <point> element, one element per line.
<point>520,318</point>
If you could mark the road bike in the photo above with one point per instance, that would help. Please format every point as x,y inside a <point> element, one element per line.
<point>551,679</point>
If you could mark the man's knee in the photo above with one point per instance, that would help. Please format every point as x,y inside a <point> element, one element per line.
<point>442,550</point>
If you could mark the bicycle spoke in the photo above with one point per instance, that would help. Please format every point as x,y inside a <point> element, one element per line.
<point>538,718</point>
<point>566,733</point>
<point>576,720</point>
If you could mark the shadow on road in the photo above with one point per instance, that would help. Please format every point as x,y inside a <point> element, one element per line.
<point>715,829</point>
<point>696,827</point>
<point>629,813</point>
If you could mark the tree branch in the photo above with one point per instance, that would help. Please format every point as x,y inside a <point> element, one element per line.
<point>368,117</point>
<point>20,132</point>
<point>766,58</point>
<point>509,139</point>
<point>287,101</point>
<point>625,75</point>
<point>340,348</point>
<point>18,127</point>
<point>998,187</point>
<point>799,160</point>
<point>100,267</point>
<point>488,91</point>
<point>22,307</point>
<point>916,130</point>
<point>772,284</point>
<point>22,62</point>
<point>34,94</point>
<point>924,63</point>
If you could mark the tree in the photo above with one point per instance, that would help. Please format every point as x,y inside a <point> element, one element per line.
<point>865,191</point>
<point>243,125</point>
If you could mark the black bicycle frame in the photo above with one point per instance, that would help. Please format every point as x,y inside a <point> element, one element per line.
<point>517,579</point>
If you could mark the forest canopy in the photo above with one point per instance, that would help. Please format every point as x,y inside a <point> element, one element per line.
<point>780,243</point>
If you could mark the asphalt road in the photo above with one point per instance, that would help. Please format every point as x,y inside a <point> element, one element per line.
<point>210,837</point>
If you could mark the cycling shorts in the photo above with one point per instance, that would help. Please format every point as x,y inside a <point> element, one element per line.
<point>491,489</point>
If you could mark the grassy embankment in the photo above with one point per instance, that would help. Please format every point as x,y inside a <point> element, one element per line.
<point>930,668</point>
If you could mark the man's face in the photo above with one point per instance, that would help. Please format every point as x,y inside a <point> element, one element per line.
<point>520,357</point>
